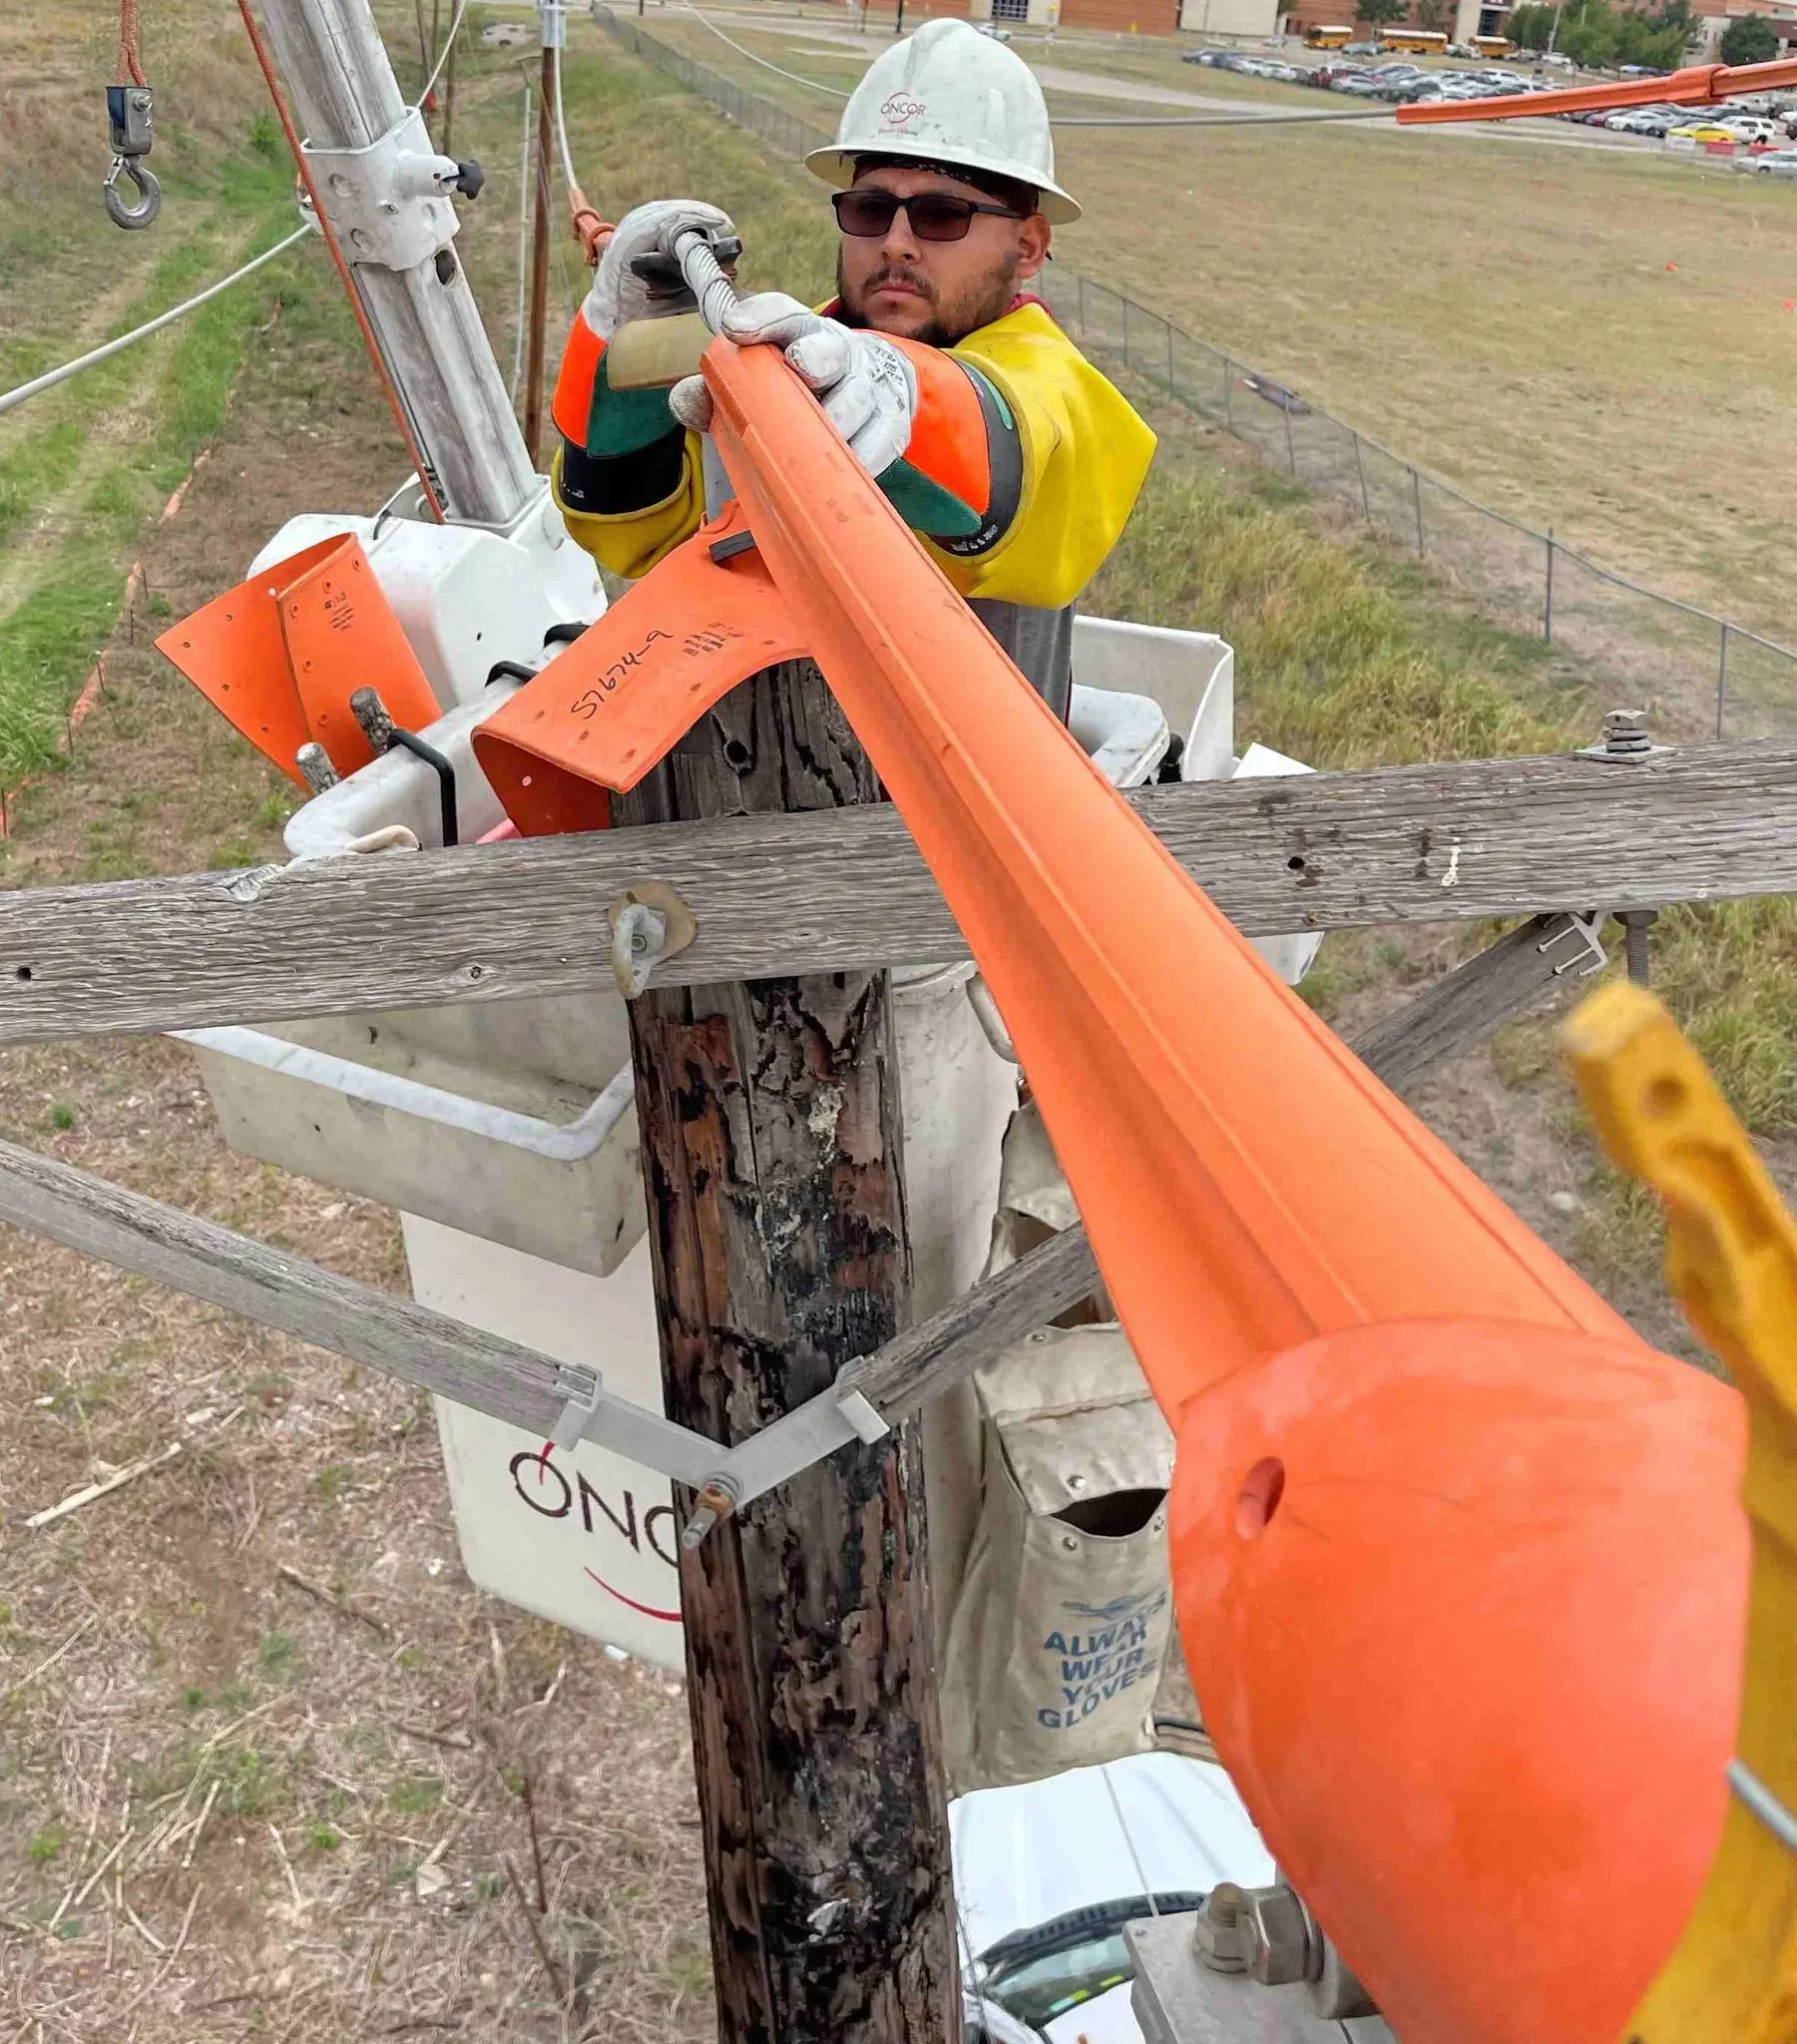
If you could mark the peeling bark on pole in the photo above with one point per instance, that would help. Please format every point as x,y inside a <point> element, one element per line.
<point>770,1116</point>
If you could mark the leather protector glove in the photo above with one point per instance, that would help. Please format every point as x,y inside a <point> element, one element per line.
<point>618,293</point>
<point>866,384</point>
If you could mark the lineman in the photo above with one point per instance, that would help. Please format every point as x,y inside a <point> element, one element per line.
<point>1006,451</point>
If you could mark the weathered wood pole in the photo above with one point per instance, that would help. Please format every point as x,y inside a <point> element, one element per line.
<point>770,1116</point>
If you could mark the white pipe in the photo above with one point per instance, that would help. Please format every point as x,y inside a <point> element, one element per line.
<point>51,377</point>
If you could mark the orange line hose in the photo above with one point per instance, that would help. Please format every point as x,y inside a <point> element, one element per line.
<point>1701,84</point>
<point>395,403</point>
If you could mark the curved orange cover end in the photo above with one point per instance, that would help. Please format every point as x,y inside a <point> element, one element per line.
<point>1465,1605</point>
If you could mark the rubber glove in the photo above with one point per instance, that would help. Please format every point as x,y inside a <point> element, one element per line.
<point>619,295</point>
<point>865,382</point>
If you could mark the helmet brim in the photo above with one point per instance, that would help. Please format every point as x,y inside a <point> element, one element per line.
<point>836,168</point>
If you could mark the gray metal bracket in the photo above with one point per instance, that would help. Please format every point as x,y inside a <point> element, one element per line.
<point>725,1478</point>
<point>389,203</point>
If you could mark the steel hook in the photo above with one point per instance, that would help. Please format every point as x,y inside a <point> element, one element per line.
<point>149,193</point>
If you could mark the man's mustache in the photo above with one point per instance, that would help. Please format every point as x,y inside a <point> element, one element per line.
<point>898,273</point>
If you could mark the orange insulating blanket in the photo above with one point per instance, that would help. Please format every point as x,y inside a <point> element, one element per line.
<point>282,654</point>
<point>1460,1565</point>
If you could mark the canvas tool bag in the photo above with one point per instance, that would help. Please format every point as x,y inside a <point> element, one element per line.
<point>1060,1618</point>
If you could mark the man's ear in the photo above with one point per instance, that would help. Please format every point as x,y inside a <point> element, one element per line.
<point>1032,245</point>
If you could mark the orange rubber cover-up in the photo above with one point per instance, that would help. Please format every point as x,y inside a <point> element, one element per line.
<point>280,655</point>
<point>633,683</point>
<point>1463,1614</point>
<point>1701,84</point>
<point>1512,1534</point>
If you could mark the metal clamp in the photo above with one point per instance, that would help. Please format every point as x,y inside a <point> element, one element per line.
<point>649,922</point>
<point>724,1479</point>
<point>578,1416</point>
<point>1591,956</point>
<point>389,203</point>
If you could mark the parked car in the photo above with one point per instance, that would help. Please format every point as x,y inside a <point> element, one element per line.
<point>1199,56</point>
<point>1359,86</point>
<point>1361,49</point>
<point>1702,131</point>
<point>1772,162</point>
<point>1751,128</point>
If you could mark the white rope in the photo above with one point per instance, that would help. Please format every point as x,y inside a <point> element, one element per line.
<point>561,124</point>
<point>455,29</point>
<point>811,84</point>
<point>524,235</point>
<point>51,377</point>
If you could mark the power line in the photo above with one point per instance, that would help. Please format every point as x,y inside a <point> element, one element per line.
<point>1071,121</point>
<point>810,83</point>
<point>455,29</point>
<point>1219,120</point>
<point>51,377</point>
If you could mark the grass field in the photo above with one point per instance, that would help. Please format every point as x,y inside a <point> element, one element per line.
<point>1591,338</point>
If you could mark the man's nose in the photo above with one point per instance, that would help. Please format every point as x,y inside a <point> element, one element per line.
<point>899,244</point>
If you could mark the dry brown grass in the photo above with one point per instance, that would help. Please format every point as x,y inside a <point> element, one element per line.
<point>1591,338</point>
<point>154,1664</point>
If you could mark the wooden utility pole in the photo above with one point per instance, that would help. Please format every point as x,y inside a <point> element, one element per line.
<point>533,387</point>
<point>770,1127</point>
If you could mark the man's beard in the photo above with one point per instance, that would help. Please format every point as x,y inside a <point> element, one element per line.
<point>946,324</point>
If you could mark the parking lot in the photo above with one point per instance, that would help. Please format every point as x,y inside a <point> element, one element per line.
<point>1755,133</point>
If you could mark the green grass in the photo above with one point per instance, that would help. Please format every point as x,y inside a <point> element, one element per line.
<point>75,591</point>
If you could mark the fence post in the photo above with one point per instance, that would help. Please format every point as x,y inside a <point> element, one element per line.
<point>1126,300</point>
<point>1360,469</point>
<point>1080,315</point>
<point>1292,452</point>
<point>1547,598</point>
<point>1722,681</point>
<point>1416,491</point>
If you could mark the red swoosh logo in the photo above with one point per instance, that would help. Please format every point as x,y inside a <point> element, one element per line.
<point>648,1610</point>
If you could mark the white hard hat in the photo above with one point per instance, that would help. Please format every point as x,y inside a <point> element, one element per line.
<point>950,96</point>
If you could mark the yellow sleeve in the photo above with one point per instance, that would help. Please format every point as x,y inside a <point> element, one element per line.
<point>1085,454</point>
<point>630,543</point>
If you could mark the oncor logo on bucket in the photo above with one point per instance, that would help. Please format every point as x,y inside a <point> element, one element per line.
<point>900,109</point>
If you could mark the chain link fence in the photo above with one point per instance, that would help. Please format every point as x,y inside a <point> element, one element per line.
<point>1711,677</point>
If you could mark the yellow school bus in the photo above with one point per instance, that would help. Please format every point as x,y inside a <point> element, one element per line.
<point>1327,38</point>
<point>1416,41</point>
<point>1493,46</point>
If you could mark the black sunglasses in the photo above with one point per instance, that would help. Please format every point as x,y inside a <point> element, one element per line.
<point>934,215</point>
